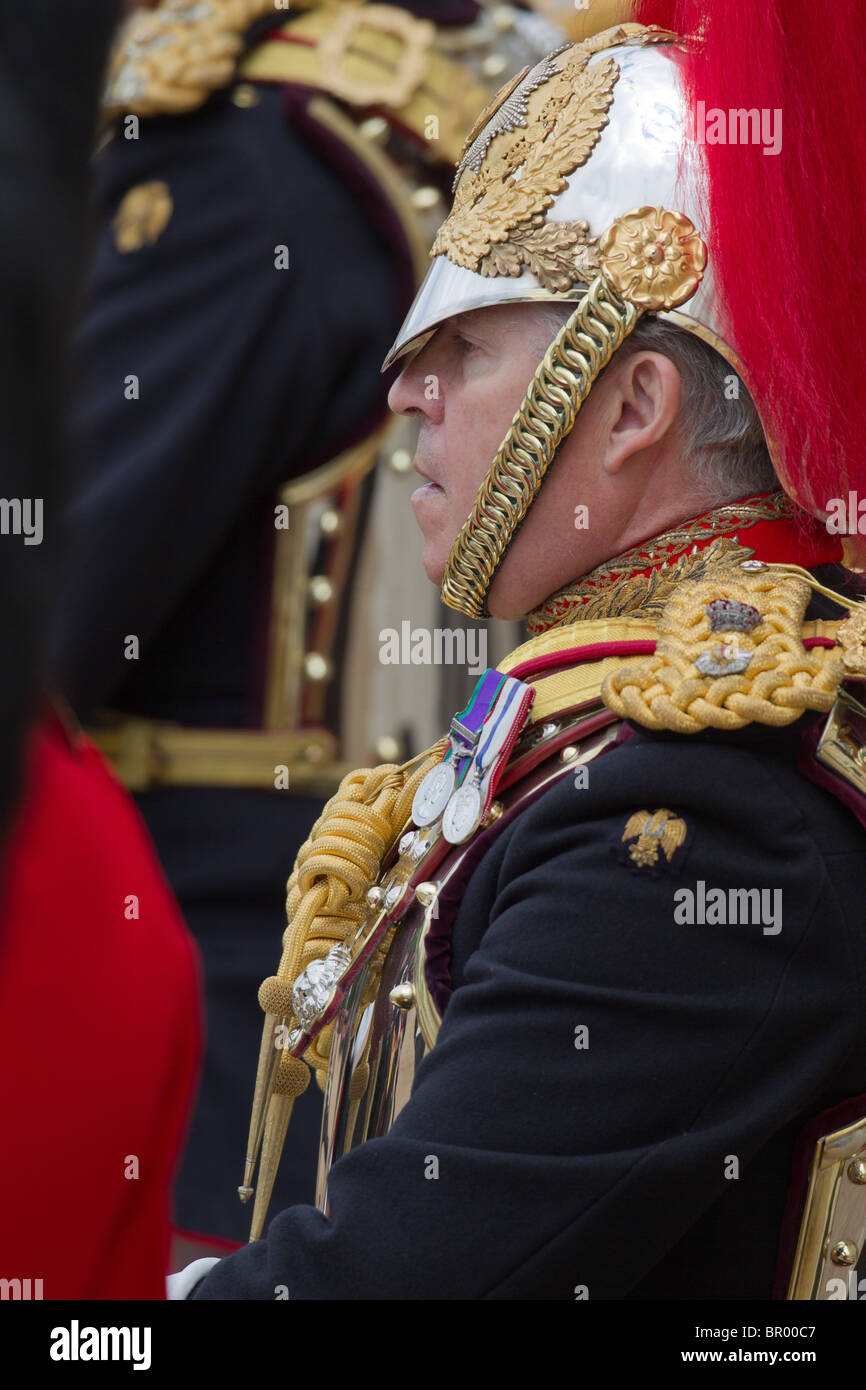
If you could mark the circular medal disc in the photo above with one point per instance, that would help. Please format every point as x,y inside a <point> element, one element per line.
<point>431,798</point>
<point>462,814</point>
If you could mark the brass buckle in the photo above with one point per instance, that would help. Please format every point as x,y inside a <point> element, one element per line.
<point>842,745</point>
<point>394,89</point>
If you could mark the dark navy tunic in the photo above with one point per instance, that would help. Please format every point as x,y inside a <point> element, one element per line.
<point>605,1171</point>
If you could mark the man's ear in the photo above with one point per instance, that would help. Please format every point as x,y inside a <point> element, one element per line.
<point>645,406</point>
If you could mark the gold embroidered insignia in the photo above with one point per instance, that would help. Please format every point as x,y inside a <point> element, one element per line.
<point>143,216</point>
<point>540,128</point>
<point>648,834</point>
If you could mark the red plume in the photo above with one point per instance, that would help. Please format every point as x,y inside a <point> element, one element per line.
<point>787,233</point>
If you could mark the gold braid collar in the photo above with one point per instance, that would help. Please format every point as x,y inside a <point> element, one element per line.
<point>643,578</point>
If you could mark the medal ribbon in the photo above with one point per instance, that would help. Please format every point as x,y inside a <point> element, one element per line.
<point>471,721</point>
<point>501,730</point>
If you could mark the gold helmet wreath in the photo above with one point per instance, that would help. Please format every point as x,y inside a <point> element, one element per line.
<point>576,184</point>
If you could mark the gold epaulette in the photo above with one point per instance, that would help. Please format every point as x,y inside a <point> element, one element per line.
<point>730,652</point>
<point>169,60</point>
<point>582,681</point>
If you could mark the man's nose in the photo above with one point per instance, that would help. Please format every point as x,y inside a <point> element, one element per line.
<point>416,392</point>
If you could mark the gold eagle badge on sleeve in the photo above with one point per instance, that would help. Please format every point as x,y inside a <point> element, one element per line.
<point>649,835</point>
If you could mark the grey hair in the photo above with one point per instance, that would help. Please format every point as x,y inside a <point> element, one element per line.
<point>721,432</point>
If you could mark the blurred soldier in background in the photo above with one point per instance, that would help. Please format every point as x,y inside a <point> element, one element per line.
<point>266,197</point>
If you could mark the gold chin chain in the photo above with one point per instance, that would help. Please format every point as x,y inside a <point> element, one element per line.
<point>643,578</point>
<point>561,382</point>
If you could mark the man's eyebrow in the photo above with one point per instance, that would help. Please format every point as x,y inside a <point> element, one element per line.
<point>463,323</point>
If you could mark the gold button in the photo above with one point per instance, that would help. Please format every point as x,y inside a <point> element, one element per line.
<point>321,589</point>
<point>426,893</point>
<point>494,65</point>
<point>400,461</point>
<point>388,749</point>
<point>494,813</point>
<point>375,128</point>
<point>403,996</point>
<point>330,521</point>
<point>857,1170</point>
<point>844,1252</point>
<point>425,198</point>
<point>317,667</point>
<point>245,95</point>
<point>569,754</point>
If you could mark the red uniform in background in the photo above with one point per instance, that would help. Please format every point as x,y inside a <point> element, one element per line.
<point>99,1033</point>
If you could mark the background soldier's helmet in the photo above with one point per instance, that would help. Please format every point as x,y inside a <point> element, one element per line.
<point>585,181</point>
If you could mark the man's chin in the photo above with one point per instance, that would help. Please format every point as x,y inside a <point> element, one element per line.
<point>434,564</point>
<point>435,554</point>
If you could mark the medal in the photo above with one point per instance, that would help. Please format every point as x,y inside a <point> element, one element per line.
<point>433,795</point>
<point>463,813</point>
<point>431,798</point>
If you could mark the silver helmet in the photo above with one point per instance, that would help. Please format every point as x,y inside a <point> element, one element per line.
<point>577,184</point>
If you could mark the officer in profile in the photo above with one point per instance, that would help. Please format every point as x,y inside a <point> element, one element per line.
<point>586,981</point>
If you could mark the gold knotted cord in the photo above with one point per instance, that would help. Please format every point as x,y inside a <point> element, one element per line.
<point>773,679</point>
<point>326,904</point>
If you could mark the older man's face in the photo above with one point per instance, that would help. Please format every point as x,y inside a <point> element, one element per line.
<point>465,386</point>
